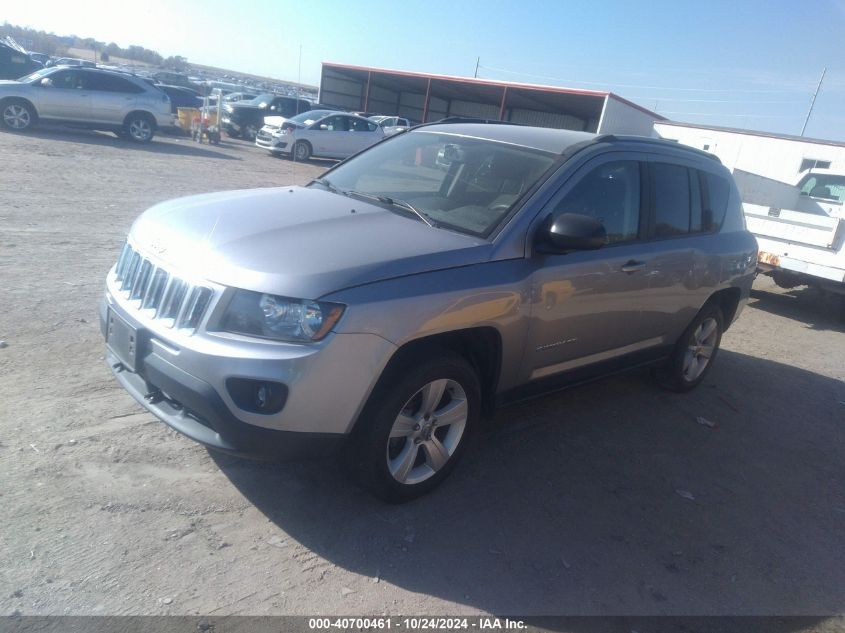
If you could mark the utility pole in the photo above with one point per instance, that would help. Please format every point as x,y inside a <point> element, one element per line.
<point>477,61</point>
<point>813,102</point>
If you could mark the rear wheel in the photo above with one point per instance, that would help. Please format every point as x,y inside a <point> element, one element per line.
<point>17,115</point>
<point>695,351</point>
<point>417,426</point>
<point>139,128</point>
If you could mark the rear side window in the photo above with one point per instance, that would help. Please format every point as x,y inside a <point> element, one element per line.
<point>671,195</point>
<point>109,83</point>
<point>610,193</point>
<point>716,191</point>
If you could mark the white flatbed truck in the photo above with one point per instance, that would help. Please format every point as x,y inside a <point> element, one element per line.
<point>800,227</point>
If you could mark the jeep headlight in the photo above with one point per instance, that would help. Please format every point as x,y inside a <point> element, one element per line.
<point>280,318</point>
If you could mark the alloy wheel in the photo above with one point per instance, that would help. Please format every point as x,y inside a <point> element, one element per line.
<point>700,349</point>
<point>16,117</point>
<point>140,129</point>
<point>427,431</point>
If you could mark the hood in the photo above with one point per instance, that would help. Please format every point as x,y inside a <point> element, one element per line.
<point>296,241</point>
<point>274,121</point>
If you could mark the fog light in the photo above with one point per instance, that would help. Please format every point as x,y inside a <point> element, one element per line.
<point>257,396</point>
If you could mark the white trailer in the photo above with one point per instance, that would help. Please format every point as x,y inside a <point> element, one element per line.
<point>800,227</point>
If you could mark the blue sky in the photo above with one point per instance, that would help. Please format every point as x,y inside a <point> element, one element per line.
<point>750,64</point>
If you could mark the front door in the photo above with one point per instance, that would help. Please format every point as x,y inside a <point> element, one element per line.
<point>587,305</point>
<point>331,137</point>
<point>64,98</point>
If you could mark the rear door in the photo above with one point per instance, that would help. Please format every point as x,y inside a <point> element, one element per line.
<point>65,98</point>
<point>112,98</point>
<point>363,133</point>
<point>681,270</point>
<point>586,305</point>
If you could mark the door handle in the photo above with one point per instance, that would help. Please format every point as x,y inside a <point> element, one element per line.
<point>632,266</point>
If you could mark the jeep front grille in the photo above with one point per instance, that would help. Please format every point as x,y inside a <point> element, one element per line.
<point>162,295</point>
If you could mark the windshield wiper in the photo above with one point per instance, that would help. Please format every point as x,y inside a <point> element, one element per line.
<point>394,202</point>
<point>328,185</point>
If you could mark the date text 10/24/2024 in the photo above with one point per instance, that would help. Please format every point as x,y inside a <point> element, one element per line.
<point>417,623</point>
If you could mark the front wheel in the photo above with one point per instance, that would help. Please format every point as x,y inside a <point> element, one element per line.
<point>694,352</point>
<point>418,423</point>
<point>17,115</point>
<point>249,132</point>
<point>301,151</point>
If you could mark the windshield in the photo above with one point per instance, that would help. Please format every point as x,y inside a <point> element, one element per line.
<point>310,116</point>
<point>465,184</point>
<point>38,74</point>
<point>824,186</point>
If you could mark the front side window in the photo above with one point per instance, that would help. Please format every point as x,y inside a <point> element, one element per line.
<point>67,80</point>
<point>464,184</point>
<point>671,195</point>
<point>334,124</point>
<point>609,193</point>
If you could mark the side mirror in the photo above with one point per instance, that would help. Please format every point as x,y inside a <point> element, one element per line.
<point>46,82</point>
<point>323,126</point>
<point>573,232</point>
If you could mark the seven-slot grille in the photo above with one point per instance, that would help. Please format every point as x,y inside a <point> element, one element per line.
<point>175,301</point>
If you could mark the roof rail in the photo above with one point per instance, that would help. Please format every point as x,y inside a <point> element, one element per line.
<point>464,119</point>
<point>610,138</point>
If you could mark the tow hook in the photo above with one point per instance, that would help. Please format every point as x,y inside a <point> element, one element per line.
<point>118,367</point>
<point>154,397</point>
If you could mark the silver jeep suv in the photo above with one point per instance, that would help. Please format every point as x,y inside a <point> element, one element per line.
<point>86,97</point>
<point>386,307</point>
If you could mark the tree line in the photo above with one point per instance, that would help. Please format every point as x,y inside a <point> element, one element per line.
<point>58,45</point>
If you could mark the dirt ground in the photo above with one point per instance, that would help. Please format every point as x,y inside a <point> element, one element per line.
<point>607,499</point>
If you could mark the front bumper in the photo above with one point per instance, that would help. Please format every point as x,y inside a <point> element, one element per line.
<point>182,380</point>
<point>276,145</point>
<point>194,409</point>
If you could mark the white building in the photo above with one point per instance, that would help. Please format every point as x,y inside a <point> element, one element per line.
<point>776,156</point>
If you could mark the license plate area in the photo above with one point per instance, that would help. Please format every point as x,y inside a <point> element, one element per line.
<point>122,340</point>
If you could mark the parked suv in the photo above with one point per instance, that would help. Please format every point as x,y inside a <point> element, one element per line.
<point>86,97</point>
<point>386,306</point>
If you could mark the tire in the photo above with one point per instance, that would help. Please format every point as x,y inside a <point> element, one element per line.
<point>694,352</point>
<point>301,151</point>
<point>248,132</point>
<point>139,127</point>
<point>17,115</point>
<point>416,426</point>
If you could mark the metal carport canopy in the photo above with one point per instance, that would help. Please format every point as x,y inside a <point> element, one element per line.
<point>429,97</point>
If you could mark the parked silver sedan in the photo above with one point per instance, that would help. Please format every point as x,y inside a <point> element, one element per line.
<point>324,133</point>
<point>86,97</point>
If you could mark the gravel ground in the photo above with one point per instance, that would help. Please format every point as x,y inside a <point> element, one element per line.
<point>607,499</point>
